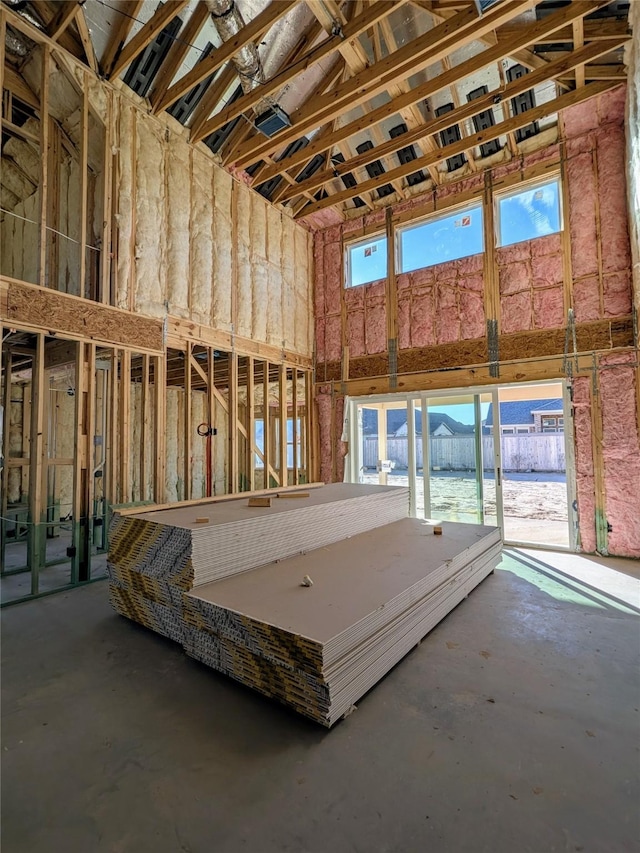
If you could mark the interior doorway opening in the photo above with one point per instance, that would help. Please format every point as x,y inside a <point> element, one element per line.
<point>499,456</point>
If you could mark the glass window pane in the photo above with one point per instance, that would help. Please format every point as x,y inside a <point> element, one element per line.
<point>446,238</point>
<point>535,212</point>
<point>367,261</point>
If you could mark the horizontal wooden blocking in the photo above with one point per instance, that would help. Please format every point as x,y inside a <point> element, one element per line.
<point>293,495</point>
<point>259,502</point>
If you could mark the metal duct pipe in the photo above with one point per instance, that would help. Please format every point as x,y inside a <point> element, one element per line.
<point>228,22</point>
<point>16,44</point>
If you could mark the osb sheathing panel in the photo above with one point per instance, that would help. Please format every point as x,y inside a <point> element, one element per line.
<point>61,313</point>
<point>600,247</point>
<point>621,452</point>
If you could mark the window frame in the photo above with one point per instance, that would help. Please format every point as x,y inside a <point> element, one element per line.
<point>519,189</point>
<point>363,241</point>
<point>445,213</point>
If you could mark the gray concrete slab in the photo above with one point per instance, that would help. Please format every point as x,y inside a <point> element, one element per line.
<point>513,727</point>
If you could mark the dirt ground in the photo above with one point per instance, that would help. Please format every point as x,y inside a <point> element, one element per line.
<point>535,505</point>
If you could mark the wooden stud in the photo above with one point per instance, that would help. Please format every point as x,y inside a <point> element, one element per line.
<point>294,408</point>
<point>111,440</point>
<point>84,166</point>
<point>89,479</point>
<point>160,428</point>
<point>211,409</point>
<point>6,413</point>
<point>187,425</point>
<point>598,462</point>
<point>490,272</point>
<point>251,432</point>
<point>266,425</point>
<point>79,510</point>
<point>144,426</point>
<point>233,423</point>
<point>282,390</point>
<point>44,157</point>
<point>107,205</point>
<point>124,425</point>
<point>567,264</point>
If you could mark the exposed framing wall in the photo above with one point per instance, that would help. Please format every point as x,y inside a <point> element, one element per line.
<point>555,307</point>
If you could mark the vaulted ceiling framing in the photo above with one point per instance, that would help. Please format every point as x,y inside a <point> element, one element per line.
<point>384,98</point>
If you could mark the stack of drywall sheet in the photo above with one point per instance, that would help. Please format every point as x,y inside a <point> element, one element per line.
<point>319,648</point>
<point>171,546</point>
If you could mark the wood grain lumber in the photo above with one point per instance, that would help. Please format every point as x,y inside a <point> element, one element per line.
<point>317,648</point>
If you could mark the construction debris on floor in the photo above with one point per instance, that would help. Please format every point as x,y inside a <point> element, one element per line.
<point>309,601</point>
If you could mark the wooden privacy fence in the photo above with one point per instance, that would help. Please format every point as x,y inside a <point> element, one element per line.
<point>521,453</point>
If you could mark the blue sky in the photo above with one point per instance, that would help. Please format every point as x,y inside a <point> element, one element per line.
<point>446,239</point>
<point>530,214</point>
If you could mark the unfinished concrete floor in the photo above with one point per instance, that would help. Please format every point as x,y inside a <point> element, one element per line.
<point>513,727</point>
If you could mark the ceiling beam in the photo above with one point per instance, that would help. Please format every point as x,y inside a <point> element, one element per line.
<point>600,72</point>
<point>431,87</point>
<point>85,38</point>
<point>128,12</point>
<point>601,29</point>
<point>177,53</point>
<point>566,100</point>
<point>330,45</point>
<point>558,68</point>
<point>413,57</point>
<point>251,32</point>
<point>146,35</point>
<point>67,11</point>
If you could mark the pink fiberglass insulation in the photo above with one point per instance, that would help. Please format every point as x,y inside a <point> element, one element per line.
<point>324,402</point>
<point>582,214</point>
<point>585,484</point>
<point>586,299</point>
<point>332,276</point>
<point>376,324</point>
<point>621,453</point>
<point>472,313</point>
<point>447,317</point>
<point>515,277</point>
<point>422,314</point>
<point>320,352</point>
<point>617,293</point>
<point>516,312</point>
<point>612,195</point>
<point>333,337</point>
<point>355,333</point>
<point>548,308</point>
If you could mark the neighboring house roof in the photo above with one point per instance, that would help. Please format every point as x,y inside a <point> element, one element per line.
<point>521,411</point>
<point>397,423</point>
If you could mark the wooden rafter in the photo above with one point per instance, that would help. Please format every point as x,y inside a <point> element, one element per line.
<point>128,12</point>
<point>177,53</point>
<point>330,45</point>
<point>431,87</point>
<point>146,34</point>
<point>567,100</point>
<point>413,57</point>
<point>67,11</point>
<point>464,112</point>
<point>248,34</point>
<point>87,41</point>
